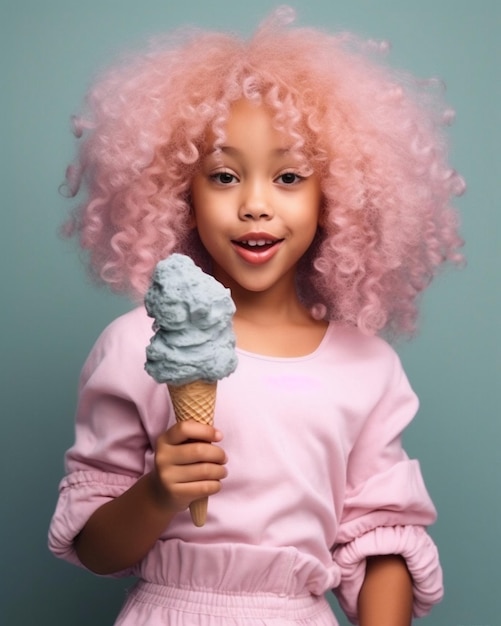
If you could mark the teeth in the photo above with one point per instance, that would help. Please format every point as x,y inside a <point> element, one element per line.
<point>257,242</point>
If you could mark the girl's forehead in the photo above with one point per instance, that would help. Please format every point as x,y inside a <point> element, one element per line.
<point>245,115</point>
<point>246,118</point>
<point>256,127</point>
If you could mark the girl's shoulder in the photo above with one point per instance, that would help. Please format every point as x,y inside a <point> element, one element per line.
<point>359,361</point>
<point>133,324</point>
<point>349,341</point>
<point>123,340</point>
<point>346,345</point>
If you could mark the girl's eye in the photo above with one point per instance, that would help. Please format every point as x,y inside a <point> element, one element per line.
<point>224,178</point>
<point>289,178</point>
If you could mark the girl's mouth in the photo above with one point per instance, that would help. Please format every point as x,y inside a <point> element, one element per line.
<point>256,244</point>
<point>257,249</point>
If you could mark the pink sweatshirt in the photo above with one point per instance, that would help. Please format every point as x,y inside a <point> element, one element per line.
<point>317,476</point>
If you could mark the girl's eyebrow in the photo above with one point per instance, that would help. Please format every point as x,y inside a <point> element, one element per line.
<point>231,150</point>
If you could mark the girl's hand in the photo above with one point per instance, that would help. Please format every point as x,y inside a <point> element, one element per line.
<point>187,465</point>
<point>122,531</point>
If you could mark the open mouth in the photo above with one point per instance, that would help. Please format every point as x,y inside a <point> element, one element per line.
<point>257,248</point>
<point>257,245</point>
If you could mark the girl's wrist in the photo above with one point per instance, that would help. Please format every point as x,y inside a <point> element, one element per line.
<point>157,495</point>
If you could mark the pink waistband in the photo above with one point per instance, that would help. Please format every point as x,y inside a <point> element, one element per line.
<point>237,569</point>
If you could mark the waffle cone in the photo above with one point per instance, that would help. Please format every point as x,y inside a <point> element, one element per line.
<point>195,401</point>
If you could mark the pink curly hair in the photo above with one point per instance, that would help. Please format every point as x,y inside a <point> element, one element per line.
<point>374,135</point>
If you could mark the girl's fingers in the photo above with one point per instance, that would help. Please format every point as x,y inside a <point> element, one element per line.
<point>191,452</point>
<point>185,483</point>
<point>196,473</point>
<point>186,493</point>
<point>191,430</point>
<point>187,464</point>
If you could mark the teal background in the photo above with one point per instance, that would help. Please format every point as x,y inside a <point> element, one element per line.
<point>50,314</point>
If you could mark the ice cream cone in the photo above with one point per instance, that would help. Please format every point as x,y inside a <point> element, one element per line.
<point>195,401</point>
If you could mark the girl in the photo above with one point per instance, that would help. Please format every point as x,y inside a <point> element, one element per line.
<point>313,182</point>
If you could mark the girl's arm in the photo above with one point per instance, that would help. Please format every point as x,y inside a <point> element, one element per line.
<point>122,531</point>
<point>386,595</point>
<point>386,511</point>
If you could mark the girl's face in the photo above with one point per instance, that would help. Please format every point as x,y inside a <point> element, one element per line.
<point>255,206</point>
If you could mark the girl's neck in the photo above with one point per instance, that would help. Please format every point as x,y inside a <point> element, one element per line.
<point>263,309</point>
<point>270,325</point>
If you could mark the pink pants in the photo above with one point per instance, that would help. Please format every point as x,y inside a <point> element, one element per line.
<point>150,604</point>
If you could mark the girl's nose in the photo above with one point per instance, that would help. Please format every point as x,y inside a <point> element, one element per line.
<point>255,203</point>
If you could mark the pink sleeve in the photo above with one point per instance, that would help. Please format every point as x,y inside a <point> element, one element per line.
<point>112,444</point>
<point>80,494</point>
<point>387,506</point>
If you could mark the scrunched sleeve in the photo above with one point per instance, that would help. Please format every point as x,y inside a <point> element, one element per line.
<point>387,507</point>
<point>112,445</point>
